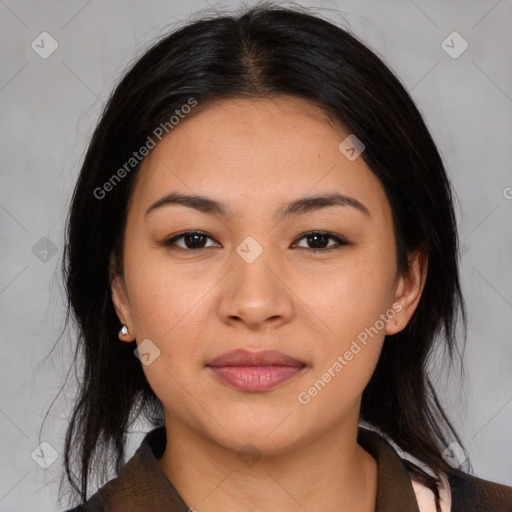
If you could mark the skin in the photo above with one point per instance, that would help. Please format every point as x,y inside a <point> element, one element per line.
<point>195,304</point>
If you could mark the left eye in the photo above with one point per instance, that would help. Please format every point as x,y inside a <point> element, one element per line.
<point>195,240</point>
<point>319,237</point>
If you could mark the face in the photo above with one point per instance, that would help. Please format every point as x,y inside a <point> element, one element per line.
<point>252,274</point>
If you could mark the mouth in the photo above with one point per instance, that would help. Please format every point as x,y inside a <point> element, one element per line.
<point>255,371</point>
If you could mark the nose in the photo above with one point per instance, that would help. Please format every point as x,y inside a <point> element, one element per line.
<point>255,293</point>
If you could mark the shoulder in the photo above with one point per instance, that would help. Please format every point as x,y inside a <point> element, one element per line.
<point>117,493</point>
<point>465,492</point>
<point>470,493</point>
<point>96,503</point>
<point>141,484</point>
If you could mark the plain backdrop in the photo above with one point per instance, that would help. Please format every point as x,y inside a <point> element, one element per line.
<point>49,107</point>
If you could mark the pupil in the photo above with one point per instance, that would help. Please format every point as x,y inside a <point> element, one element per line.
<point>194,238</point>
<point>315,237</point>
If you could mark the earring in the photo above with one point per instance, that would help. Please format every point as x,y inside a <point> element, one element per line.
<point>123,331</point>
<point>397,322</point>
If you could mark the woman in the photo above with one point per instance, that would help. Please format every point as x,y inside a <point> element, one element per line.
<point>262,252</point>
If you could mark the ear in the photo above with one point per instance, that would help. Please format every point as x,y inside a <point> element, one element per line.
<point>121,304</point>
<point>408,290</point>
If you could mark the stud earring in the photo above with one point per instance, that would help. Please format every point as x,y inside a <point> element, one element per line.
<point>123,331</point>
<point>397,322</point>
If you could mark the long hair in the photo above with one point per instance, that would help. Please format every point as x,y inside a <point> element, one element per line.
<point>265,51</point>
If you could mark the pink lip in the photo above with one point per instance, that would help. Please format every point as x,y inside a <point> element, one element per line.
<point>255,371</point>
<point>243,357</point>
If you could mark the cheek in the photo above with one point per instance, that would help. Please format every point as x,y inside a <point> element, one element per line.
<point>161,295</point>
<point>354,304</point>
<point>166,309</point>
<point>351,295</point>
<point>334,390</point>
<point>345,359</point>
<point>169,306</point>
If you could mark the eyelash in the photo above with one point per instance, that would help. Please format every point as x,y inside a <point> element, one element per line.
<point>340,241</point>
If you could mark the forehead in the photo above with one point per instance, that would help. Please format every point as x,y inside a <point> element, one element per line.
<point>259,150</point>
<point>249,127</point>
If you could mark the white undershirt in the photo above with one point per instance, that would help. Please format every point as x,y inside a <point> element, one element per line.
<point>426,499</point>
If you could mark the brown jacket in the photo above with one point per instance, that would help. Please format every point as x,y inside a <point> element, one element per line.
<point>143,487</point>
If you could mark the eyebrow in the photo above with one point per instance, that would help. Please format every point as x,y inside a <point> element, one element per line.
<point>296,207</point>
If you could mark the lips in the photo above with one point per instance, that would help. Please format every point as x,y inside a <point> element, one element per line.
<point>255,371</point>
<point>245,358</point>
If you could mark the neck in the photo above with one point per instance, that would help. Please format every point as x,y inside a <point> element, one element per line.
<point>331,473</point>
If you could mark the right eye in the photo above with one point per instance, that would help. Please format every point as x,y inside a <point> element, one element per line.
<point>193,240</point>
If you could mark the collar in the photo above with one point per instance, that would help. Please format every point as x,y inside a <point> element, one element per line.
<point>143,486</point>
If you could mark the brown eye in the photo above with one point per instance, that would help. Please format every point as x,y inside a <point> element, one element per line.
<point>192,240</point>
<point>318,241</point>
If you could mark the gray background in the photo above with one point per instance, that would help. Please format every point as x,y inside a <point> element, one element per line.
<point>50,106</point>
